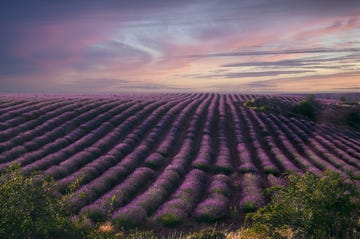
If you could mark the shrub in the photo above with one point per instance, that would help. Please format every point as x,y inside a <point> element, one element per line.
<point>249,207</point>
<point>258,104</point>
<point>353,119</point>
<point>247,103</point>
<point>311,206</point>
<point>307,107</point>
<point>29,208</point>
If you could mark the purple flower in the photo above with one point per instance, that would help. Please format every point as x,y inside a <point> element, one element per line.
<point>94,212</point>
<point>128,217</point>
<point>212,209</point>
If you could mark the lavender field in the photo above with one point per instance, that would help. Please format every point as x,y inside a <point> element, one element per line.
<point>192,157</point>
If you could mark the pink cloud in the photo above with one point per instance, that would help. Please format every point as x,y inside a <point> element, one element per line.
<point>51,45</point>
<point>149,45</point>
<point>336,27</point>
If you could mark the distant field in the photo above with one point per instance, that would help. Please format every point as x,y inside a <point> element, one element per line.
<point>171,158</point>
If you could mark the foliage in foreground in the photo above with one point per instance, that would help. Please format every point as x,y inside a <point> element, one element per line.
<point>207,234</point>
<point>311,206</point>
<point>30,209</point>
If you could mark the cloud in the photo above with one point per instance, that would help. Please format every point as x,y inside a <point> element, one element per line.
<point>91,84</point>
<point>51,46</point>
<point>265,73</point>
<point>355,88</point>
<point>305,84</point>
<point>152,87</point>
<point>112,54</point>
<point>260,84</point>
<point>335,28</point>
<point>47,44</point>
<point>303,62</point>
<point>47,11</point>
<point>308,7</point>
<point>252,74</point>
<point>87,85</point>
<point>345,81</point>
<point>13,66</point>
<point>279,52</point>
<point>109,85</point>
<point>254,87</point>
<point>355,73</point>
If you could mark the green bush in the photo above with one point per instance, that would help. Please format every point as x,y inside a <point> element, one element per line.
<point>249,207</point>
<point>311,206</point>
<point>306,107</point>
<point>353,119</point>
<point>247,103</point>
<point>30,209</point>
<point>256,104</point>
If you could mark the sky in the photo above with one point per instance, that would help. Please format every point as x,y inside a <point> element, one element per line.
<point>115,46</point>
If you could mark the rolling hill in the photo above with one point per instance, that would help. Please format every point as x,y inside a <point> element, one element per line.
<point>168,158</point>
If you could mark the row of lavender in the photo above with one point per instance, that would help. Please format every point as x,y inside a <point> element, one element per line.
<point>167,157</point>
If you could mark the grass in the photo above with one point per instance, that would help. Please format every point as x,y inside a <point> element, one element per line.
<point>107,231</point>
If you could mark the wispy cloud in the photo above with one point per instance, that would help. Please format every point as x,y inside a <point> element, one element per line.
<point>313,83</point>
<point>337,27</point>
<point>164,45</point>
<point>252,74</point>
<point>355,73</point>
<point>99,85</point>
<point>280,52</point>
<point>355,88</point>
<point>302,62</point>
